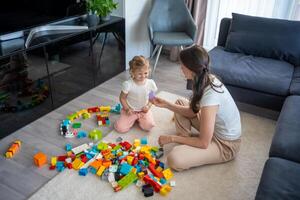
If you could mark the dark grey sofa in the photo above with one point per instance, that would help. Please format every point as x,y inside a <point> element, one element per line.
<point>259,62</point>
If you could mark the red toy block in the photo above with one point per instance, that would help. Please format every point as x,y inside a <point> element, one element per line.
<point>154,172</point>
<point>52,167</point>
<point>84,158</point>
<point>61,158</point>
<point>126,145</point>
<point>69,165</point>
<point>93,109</point>
<point>154,184</point>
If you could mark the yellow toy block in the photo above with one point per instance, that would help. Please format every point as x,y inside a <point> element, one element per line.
<point>165,190</point>
<point>167,174</point>
<point>130,159</point>
<point>80,112</point>
<point>141,175</point>
<point>105,108</point>
<point>159,169</point>
<point>77,164</point>
<point>137,142</point>
<point>53,161</point>
<point>150,159</point>
<point>145,149</point>
<point>100,170</point>
<point>8,154</point>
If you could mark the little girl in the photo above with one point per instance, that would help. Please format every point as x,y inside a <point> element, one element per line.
<point>134,97</point>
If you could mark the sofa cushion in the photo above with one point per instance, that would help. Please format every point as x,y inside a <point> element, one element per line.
<point>286,141</point>
<point>265,37</point>
<point>295,85</point>
<point>280,180</point>
<point>257,73</point>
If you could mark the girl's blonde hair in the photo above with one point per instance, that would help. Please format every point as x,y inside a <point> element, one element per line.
<point>138,62</point>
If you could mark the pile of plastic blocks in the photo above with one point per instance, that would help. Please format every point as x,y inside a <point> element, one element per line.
<point>121,164</point>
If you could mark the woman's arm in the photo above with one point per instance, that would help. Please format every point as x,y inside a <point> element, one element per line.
<point>207,124</point>
<point>183,110</point>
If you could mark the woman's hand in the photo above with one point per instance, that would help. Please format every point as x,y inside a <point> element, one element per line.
<point>164,139</point>
<point>159,102</point>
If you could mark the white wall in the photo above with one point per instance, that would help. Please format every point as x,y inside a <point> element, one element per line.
<point>136,14</point>
<point>120,10</point>
<point>137,37</point>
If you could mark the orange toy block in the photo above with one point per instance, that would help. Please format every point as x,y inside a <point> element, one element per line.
<point>13,149</point>
<point>40,159</point>
<point>96,164</point>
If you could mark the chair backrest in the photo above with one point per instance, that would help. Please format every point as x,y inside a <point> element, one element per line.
<point>169,15</point>
<point>223,32</point>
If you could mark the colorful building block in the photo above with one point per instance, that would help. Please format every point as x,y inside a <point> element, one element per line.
<point>127,180</point>
<point>40,159</point>
<point>13,149</point>
<point>95,134</point>
<point>167,174</point>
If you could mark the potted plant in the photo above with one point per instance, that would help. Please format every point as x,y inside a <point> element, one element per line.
<point>101,8</point>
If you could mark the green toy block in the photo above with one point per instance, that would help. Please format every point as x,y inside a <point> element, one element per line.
<point>102,146</point>
<point>155,149</point>
<point>127,180</point>
<point>117,147</point>
<point>95,134</point>
<point>76,125</point>
<point>86,115</point>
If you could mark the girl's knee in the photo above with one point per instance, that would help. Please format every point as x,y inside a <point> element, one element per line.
<point>147,126</point>
<point>120,129</point>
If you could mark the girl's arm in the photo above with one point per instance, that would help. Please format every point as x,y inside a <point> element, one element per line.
<point>183,110</point>
<point>207,124</point>
<point>123,101</point>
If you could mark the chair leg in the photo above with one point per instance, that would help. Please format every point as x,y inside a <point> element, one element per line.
<point>101,52</point>
<point>154,51</point>
<point>156,60</point>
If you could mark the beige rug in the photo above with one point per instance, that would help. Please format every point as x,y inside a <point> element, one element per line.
<point>237,179</point>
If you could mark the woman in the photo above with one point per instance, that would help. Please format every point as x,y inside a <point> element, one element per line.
<point>211,111</point>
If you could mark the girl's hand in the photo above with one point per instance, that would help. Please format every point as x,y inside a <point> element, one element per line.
<point>129,111</point>
<point>159,102</point>
<point>164,139</point>
<point>145,109</point>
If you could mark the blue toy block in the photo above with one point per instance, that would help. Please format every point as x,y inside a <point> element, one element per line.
<point>66,122</point>
<point>83,172</point>
<point>144,140</point>
<point>59,164</point>
<point>125,168</point>
<point>60,169</point>
<point>116,109</point>
<point>81,134</point>
<point>92,170</point>
<point>163,181</point>
<point>68,147</point>
<point>162,165</point>
<point>138,168</point>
